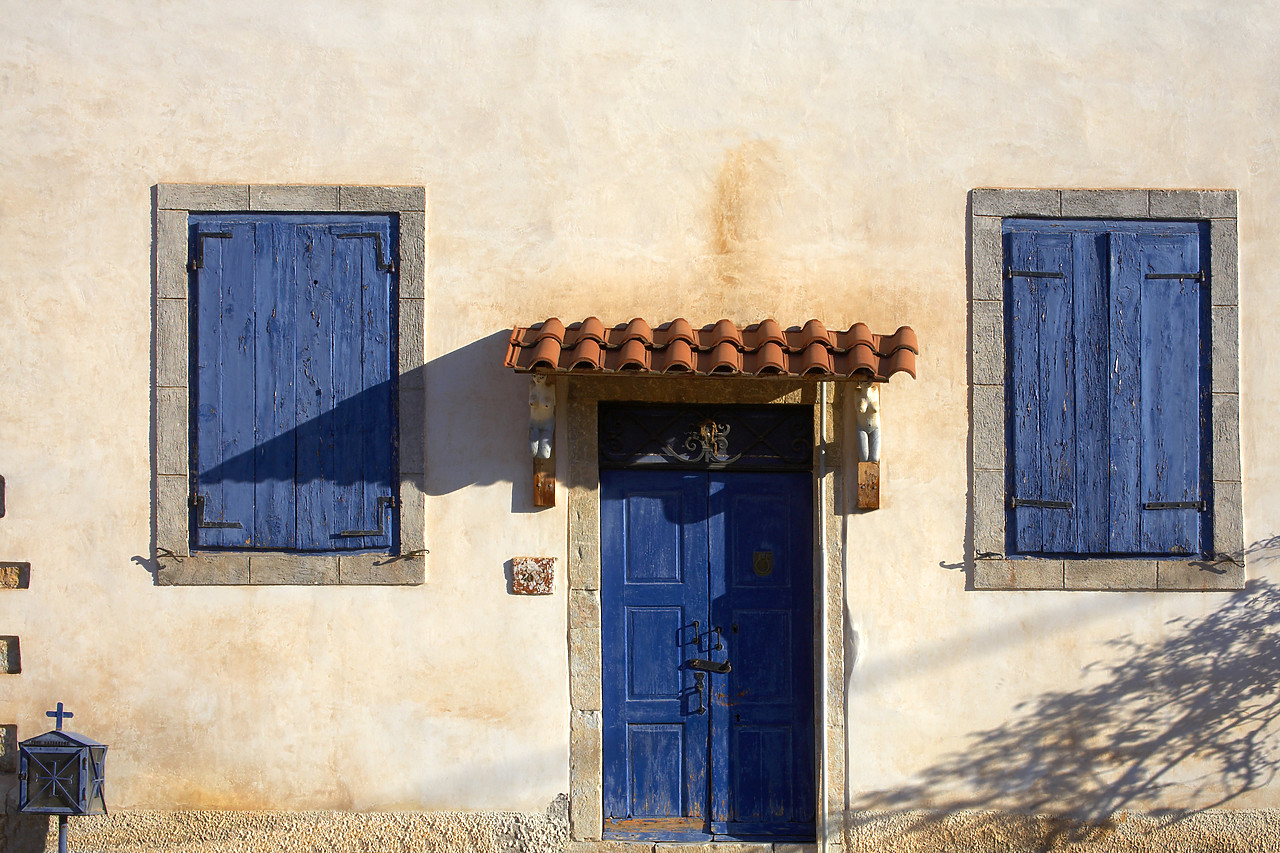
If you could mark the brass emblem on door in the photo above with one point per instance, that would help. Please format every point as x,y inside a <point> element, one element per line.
<point>762,563</point>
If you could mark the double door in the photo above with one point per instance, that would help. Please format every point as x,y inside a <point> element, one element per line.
<point>707,632</point>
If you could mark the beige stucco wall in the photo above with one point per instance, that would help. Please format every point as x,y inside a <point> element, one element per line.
<point>694,158</point>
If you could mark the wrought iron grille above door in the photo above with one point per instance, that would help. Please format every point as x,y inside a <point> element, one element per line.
<point>724,437</point>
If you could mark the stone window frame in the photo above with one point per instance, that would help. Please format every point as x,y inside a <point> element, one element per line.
<point>586,766</point>
<point>176,565</point>
<point>990,567</point>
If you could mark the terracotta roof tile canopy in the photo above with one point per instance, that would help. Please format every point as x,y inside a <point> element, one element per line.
<point>717,349</point>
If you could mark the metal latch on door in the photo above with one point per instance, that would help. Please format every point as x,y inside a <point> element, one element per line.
<point>709,665</point>
<point>701,667</point>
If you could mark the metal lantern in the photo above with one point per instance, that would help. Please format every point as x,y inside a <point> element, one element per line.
<point>61,773</point>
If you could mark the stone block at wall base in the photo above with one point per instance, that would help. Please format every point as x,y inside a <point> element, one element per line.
<point>296,832</point>
<point>911,831</point>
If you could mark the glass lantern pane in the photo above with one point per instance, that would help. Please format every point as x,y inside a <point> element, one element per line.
<point>53,781</point>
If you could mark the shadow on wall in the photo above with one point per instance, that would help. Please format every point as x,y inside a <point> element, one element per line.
<point>477,427</point>
<point>1199,710</point>
<point>478,421</point>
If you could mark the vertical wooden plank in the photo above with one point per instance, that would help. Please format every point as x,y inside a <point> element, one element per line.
<point>1171,461</point>
<point>376,424</point>
<point>1092,322</point>
<point>1125,381</point>
<point>1058,450</point>
<point>352,504</point>
<point>1023,334</point>
<point>275,399</point>
<point>224,383</point>
<point>1041,388</point>
<point>315,389</point>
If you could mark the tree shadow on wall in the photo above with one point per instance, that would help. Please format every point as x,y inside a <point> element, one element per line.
<point>1199,710</point>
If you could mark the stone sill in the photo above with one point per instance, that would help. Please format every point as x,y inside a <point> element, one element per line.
<point>1035,573</point>
<point>256,568</point>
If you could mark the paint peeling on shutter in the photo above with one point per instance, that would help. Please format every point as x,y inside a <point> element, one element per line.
<point>1042,391</point>
<point>295,418</point>
<point>1171,459</point>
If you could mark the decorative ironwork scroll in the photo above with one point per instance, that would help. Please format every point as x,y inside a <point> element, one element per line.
<point>634,435</point>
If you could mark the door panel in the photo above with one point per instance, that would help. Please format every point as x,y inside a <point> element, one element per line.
<point>762,598</point>
<point>654,557</point>
<point>709,566</point>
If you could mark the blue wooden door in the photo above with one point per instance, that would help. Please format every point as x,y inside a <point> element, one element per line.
<point>706,595</point>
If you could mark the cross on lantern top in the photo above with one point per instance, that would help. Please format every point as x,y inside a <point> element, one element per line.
<point>60,715</point>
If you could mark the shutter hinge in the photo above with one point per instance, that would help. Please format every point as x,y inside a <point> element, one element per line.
<point>1198,505</point>
<point>197,501</point>
<point>383,502</point>
<point>1014,503</point>
<point>1010,272</point>
<point>1198,276</point>
<point>384,263</point>
<point>197,263</point>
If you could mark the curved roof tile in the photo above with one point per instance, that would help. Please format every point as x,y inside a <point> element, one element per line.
<point>679,357</point>
<point>637,330</point>
<point>726,332</point>
<point>633,355</point>
<point>679,329</point>
<point>768,331</point>
<point>763,349</point>
<point>725,358</point>
<point>552,328</point>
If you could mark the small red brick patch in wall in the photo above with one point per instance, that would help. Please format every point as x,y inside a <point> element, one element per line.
<point>533,575</point>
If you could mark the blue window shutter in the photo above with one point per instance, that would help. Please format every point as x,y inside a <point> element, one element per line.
<point>1106,387</point>
<point>223,385</point>
<point>294,401</point>
<point>1170,457</point>
<point>1042,390</point>
<point>346,413</point>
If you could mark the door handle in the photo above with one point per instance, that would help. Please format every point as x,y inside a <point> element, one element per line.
<point>707,666</point>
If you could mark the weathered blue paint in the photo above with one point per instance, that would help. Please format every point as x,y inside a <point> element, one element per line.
<point>1170,463</point>
<point>294,428</point>
<point>1091,510</point>
<point>653,533</point>
<point>1125,392</point>
<point>275,392</point>
<point>762,756</point>
<point>679,556</point>
<point>1107,385</point>
<point>1041,392</point>
<point>223,423</point>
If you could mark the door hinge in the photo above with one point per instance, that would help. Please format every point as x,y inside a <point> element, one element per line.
<point>1010,272</point>
<point>197,501</point>
<point>385,264</point>
<point>1014,503</point>
<point>383,503</point>
<point>1199,505</point>
<point>197,263</point>
<point>1197,276</point>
